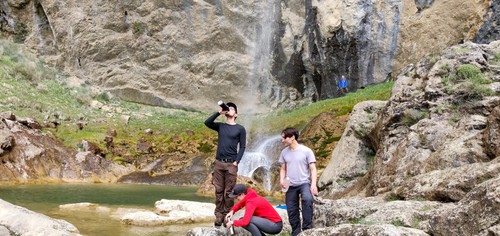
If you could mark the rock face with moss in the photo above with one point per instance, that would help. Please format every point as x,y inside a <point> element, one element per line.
<point>190,54</point>
<point>435,143</point>
<point>29,155</point>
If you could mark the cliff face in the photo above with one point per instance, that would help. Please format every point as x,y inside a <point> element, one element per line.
<point>433,145</point>
<point>29,155</point>
<point>189,54</point>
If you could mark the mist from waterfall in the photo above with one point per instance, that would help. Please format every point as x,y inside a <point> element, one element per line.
<point>265,153</point>
<point>260,49</point>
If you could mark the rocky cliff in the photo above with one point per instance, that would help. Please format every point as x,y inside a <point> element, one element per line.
<point>189,54</point>
<point>427,160</point>
<point>28,155</point>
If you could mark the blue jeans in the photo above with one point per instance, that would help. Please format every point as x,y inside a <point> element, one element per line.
<point>293,195</point>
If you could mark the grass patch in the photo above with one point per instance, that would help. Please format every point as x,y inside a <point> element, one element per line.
<point>360,221</point>
<point>398,223</point>
<point>340,106</point>
<point>467,83</point>
<point>461,50</point>
<point>392,197</point>
<point>412,116</point>
<point>138,27</point>
<point>323,152</point>
<point>496,59</point>
<point>470,72</point>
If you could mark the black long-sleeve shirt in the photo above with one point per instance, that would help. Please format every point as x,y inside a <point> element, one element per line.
<point>229,137</point>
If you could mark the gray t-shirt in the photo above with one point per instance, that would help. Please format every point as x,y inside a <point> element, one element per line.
<point>297,164</point>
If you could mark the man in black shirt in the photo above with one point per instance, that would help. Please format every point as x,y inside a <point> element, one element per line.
<point>230,137</point>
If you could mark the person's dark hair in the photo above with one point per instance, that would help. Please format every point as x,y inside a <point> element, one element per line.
<point>230,104</point>
<point>289,132</point>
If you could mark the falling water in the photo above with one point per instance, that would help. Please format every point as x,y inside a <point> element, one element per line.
<point>264,155</point>
<point>260,48</point>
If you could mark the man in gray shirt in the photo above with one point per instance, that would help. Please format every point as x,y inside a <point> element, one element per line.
<point>298,163</point>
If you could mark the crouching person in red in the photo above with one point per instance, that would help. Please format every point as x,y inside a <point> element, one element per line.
<point>260,216</point>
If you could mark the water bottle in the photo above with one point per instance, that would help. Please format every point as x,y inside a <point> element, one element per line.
<point>286,182</point>
<point>223,105</point>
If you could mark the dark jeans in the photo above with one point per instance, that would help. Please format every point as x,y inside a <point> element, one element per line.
<point>293,195</point>
<point>224,179</point>
<point>258,226</point>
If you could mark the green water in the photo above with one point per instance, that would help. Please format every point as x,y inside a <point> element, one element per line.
<point>46,199</point>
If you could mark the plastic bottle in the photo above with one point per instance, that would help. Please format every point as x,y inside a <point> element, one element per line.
<point>223,105</point>
<point>286,183</point>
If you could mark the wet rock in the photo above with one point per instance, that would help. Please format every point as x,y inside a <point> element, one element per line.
<point>172,212</point>
<point>17,220</point>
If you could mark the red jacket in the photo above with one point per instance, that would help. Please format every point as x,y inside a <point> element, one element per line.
<point>255,205</point>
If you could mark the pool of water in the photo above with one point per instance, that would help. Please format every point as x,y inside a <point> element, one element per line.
<point>46,199</point>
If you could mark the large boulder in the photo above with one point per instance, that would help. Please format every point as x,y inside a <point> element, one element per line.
<point>16,220</point>
<point>434,122</point>
<point>171,212</point>
<point>354,154</point>
<point>436,165</point>
<point>478,213</point>
<point>28,154</point>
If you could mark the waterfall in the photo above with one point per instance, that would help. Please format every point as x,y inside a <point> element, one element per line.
<point>264,155</point>
<point>261,50</point>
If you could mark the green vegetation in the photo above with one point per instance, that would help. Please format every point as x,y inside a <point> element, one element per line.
<point>496,59</point>
<point>468,83</point>
<point>398,223</point>
<point>138,27</point>
<point>416,222</point>
<point>21,31</point>
<point>455,118</point>
<point>433,59</point>
<point>360,221</point>
<point>411,117</point>
<point>323,151</point>
<point>30,89</point>
<point>461,50</point>
<point>340,106</point>
<point>470,72</point>
<point>284,233</point>
<point>392,197</point>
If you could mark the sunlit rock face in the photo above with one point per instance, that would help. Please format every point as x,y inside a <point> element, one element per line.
<point>435,141</point>
<point>261,54</point>
<point>16,220</point>
<point>29,155</point>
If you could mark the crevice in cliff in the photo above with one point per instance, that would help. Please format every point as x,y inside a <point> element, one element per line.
<point>43,27</point>
<point>490,29</point>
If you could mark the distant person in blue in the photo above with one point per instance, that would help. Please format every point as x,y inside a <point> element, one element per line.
<point>342,85</point>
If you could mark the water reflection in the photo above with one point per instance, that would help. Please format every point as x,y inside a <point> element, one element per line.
<point>46,199</point>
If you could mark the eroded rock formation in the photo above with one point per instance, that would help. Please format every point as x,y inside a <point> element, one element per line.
<point>27,155</point>
<point>434,142</point>
<point>190,54</point>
